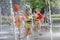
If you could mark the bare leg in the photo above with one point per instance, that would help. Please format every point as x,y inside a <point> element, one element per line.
<point>28,32</point>
<point>19,30</point>
<point>40,28</point>
<point>46,28</point>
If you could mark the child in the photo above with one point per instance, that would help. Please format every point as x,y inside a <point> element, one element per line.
<point>28,24</point>
<point>38,19</point>
<point>19,18</point>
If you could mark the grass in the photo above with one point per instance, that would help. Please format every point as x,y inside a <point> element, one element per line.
<point>55,15</point>
<point>55,18</point>
<point>4,21</point>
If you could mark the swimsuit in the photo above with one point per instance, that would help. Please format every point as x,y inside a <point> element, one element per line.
<point>29,22</point>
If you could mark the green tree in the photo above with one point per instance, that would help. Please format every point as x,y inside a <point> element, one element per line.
<point>36,3</point>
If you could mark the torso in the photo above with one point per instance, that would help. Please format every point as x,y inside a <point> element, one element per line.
<point>29,22</point>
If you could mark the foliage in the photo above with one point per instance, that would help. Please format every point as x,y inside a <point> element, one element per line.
<point>36,3</point>
<point>53,4</point>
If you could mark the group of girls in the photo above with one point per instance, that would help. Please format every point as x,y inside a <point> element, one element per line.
<point>28,19</point>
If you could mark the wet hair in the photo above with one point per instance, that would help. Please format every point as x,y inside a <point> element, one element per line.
<point>27,9</point>
<point>33,9</point>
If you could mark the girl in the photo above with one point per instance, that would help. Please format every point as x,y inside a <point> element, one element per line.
<point>38,19</point>
<point>28,24</point>
<point>19,18</point>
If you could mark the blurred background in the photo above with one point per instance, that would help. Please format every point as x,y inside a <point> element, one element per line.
<point>49,8</point>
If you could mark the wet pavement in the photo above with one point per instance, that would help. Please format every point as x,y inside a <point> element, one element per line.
<point>7,33</point>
